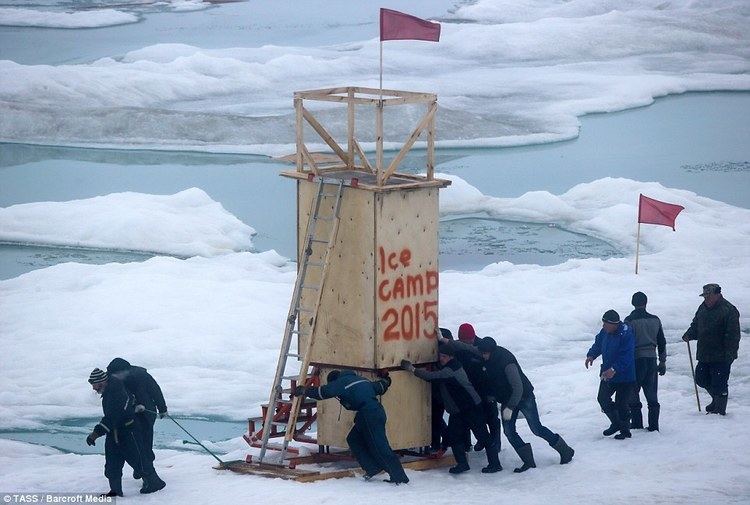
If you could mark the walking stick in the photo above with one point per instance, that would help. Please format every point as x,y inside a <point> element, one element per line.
<point>191,436</point>
<point>690,353</point>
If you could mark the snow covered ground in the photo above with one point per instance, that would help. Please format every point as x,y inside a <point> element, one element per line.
<point>209,329</point>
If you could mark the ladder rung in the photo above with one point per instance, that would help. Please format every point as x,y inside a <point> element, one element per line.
<point>297,332</point>
<point>293,355</point>
<point>302,309</point>
<point>315,264</point>
<point>290,377</point>
<point>320,241</point>
<point>316,287</point>
<point>323,218</point>
<point>329,194</point>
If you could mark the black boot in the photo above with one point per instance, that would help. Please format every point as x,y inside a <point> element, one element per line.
<point>721,405</point>
<point>566,453</point>
<point>152,483</point>
<point>614,419</point>
<point>527,456</point>
<point>115,488</point>
<point>653,417</point>
<point>462,465</point>
<point>493,460</point>
<point>112,493</point>
<point>711,407</point>
<point>636,418</point>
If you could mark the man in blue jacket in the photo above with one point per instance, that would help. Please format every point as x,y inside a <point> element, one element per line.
<point>124,439</point>
<point>615,343</point>
<point>367,439</point>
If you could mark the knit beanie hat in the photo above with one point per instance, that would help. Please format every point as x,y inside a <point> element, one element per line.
<point>611,317</point>
<point>446,333</point>
<point>98,376</point>
<point>487,344</point>
<point>466,333</point>
<point>333,375</point>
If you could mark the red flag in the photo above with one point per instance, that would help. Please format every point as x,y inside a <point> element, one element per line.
<point>652,211</point>
<point>396,25</point>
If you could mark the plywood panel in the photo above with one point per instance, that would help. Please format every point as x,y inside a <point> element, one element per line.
<point>407,406</point>
<point>345,331</point>
<point>406,276</point>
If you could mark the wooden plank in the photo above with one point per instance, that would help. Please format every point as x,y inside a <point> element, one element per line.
<point>421,96</point>
<point>431,146</point>
<point>363,157</point>
<point>309,159</point>
<point>409,142</point>
<point>324,134</point>
<point>340,99</point>
<point>337,474</point>
<point>323,91</point>
<point>350,130</point>
<point>429,463</point>
<point>299,133</point>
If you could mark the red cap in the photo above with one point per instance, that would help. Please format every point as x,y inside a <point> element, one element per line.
<point>466,333</point>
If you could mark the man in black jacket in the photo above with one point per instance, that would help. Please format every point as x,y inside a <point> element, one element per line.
<point>463,405</point>
<point>716,327</point>
<point>367,439</point>
<point>649,336</point>
<point>124,441</point>
<point>514,392</point>
<point>148,397</point>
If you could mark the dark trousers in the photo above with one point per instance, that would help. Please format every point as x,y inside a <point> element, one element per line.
<point>713,377</point>
<point>439,428</point>
<point>369,444</point>
<point>646,378</point>
<point>623,392</point>
<point>528,407</point>
<point>121,445</point>
<point>489,417</point>
<point>461,422</point>
<point>147,421</point>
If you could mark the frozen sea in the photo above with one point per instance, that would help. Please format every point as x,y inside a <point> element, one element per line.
<point>141,215</point>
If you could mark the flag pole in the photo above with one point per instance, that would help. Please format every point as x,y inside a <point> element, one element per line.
<point>637,247</point>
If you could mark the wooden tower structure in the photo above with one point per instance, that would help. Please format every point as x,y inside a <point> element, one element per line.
<point>367,290</point>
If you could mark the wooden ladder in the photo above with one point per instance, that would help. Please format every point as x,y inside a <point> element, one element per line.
<point>296,310</point>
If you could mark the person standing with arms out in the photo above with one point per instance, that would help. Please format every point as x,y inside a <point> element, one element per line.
<point>649,336</point>
<point>615,343</point>
<point>716,327</point>
<point>367,439</point>
<point>148,397</point>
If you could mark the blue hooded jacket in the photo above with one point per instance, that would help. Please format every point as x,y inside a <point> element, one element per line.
<point>617,351</point>
<point>353,391</point>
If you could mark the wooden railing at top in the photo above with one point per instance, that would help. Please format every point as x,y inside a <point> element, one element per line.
<point>380,98</point>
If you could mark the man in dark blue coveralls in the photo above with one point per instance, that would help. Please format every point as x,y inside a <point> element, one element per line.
<point>124,438</point>
<point>367,439</point>
<point>148,398</point>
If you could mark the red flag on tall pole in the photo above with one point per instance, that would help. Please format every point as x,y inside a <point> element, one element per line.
<point>395,25</point>
<point>652,211</point>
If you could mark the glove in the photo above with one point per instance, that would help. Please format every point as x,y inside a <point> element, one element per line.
<point>608,374</point>
<point>162,415</point>
<point>589,360</point>
<point>685,338</point>
<point>662,368</point>
<point>91,439</point>
<point>299,391</point>
<point>406,365</point>
<point>139,409</point>
<point>507,413</point>
<point>382,374</point>
<point>387,380</point>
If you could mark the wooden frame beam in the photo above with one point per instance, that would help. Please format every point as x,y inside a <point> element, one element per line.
<point>409,142</point>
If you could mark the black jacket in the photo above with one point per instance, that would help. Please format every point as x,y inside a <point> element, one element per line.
<point>717,331</point>
<point>455,388</point>
<point>505,378</point>
<point>118,406</point>
<point>140,383</point>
